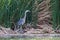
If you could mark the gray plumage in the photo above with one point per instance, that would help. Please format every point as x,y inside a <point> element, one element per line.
<point>22,21</point>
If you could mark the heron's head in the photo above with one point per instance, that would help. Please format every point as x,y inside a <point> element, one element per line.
<point>27,11</point>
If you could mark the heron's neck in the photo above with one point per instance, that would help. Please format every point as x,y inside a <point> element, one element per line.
<point>25,16</point>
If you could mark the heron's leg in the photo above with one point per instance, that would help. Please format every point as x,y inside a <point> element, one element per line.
<point>21,28</point>
<point>18,28</point>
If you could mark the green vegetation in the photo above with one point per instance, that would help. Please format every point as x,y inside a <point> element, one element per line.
<point>55,13</point>
<point>53,38</point>
<point>13,10</point>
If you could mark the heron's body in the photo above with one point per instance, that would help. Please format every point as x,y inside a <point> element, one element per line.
<point>22,20</point>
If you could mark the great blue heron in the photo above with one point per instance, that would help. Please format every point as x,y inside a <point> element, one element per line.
<point>21,21</point>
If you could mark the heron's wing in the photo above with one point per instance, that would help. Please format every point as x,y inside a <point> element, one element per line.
<point>20,22</point>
